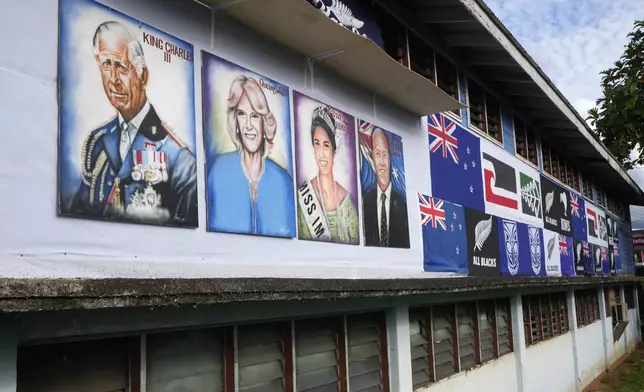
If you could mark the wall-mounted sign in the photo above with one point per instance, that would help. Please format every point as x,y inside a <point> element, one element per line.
<point>382,179</point>
<point>556,207</point>
<point>521,249</point>
<point>127,127</point>
<point>552,252</point>
<point>247,133</point>
<point>596,224</point>
<point>483,243</point>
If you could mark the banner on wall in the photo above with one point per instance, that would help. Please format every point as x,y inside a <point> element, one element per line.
<point>382,180</point>
<point>247,133</point>
<point>578,216</point>
<point>127,126</point>
<point>599,256</point>
<point>358,16</point>
<point>325,156</point>
<point>596,224</point>
<point>443,228</point>
<point>556,207</point>
<point>581,253</point>
<point>455,163</point>
<point>521,249</point>
<point>611,259</point>
<point>566,255</point>
<point>511,188</point>
<point>611,229</point>
<point>483,243</point>
<point>552,253</point>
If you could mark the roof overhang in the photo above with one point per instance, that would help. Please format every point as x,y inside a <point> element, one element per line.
<point>300,27</point>
<point>471,34</point>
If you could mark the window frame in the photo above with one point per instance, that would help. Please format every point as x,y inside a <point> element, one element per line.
<point>586,307</point>
<point>485,132</point>
<point>541,305</point>
<point>526,128</point>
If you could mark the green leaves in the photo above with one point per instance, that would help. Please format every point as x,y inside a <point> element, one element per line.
<point>618,117</point>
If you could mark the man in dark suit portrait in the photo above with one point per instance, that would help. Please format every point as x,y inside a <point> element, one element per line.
<point>385,210</point>
<point>133,168</point>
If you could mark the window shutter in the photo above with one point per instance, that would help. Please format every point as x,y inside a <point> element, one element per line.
<point>467,344</point>
<point>318,355</point>
<point>503,327</point>
<point>444,334</point>
<point>365,347</point>
<point>189,360</point>
<point>486,328</point>
<point>421,355</point>
<point>563,313</point>
<point>261,357</point>
<point>536,326</point>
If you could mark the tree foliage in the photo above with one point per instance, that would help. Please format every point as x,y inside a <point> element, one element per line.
<point>619,115</point>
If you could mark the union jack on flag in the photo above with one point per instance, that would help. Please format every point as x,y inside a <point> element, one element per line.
<point>431,210</point>
<point>574,204</point>
<point>586,248</point>
<point>442,129</point>
<point>563,245</point>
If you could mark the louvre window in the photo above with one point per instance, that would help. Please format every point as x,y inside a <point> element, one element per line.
<point>545,316</point>
<point>545,156</point>
<point>467,339</point>
<point>421,57</point>
<point>319,345</point>
<point>394,36</point>
<point>446,339</point>
<point>486,325</point>
<point>587,189</point>
<point>187,359</point>
<point>485,111</point>
<point>261,357</point>
<point>572,177</point>
<point>503,326</point>
<point>367,347</point>
<point>447,78</point>
<point>525,141</point>
<point>586,307</point>
<point>556,168</point>
<point>422,357</point>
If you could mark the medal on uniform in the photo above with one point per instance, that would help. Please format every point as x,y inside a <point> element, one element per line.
<point>150,165</point>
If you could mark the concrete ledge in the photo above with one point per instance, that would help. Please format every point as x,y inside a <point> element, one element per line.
<point>24,295</point>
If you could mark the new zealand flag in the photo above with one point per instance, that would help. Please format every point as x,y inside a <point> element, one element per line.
<point>521,249</point>
<point>566,255</point>
<point>578,216</point>
<point>455,163</point>
<point>444,238</point>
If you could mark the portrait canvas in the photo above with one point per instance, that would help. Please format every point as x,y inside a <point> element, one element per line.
<point>127,127</point>
<point>249,169</point>
<point>325,162</point>
<point>382,180</point>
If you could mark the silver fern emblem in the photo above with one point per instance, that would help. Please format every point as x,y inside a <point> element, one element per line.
<point>345,15</point>
<point>482,231</point>
<point>563,198</point>
<point>551,247</point>
<point>511,246</point>
<point>550,198</point>
<point>531,195</point>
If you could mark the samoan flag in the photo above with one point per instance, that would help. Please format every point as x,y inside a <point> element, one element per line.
<point>444,238</point>
<point>578,214</point>
<point>566,255</point>
<point>521,249</point>
<point>455,163</point>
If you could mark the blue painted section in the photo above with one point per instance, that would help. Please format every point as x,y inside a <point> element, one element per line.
<point>508,128</point>
<point>462,87</point>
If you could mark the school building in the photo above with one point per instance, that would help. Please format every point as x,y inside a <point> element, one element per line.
<point>519,268</point>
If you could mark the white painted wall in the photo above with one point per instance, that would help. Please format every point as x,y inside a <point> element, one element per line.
<point>632,330</point>
<point>590,352</point>
<point>498,375</point>
<point>549,366</point>
<point>37,243</point>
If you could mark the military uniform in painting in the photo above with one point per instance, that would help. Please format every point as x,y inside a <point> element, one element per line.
<point>155,182</point>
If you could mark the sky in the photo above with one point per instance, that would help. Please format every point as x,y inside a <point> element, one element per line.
<point>573,41</point>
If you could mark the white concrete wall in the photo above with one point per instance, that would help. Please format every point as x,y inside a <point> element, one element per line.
<point>499,375</point>
<point>549,366</point>
<point>590,352</point>
<point>37,243</point>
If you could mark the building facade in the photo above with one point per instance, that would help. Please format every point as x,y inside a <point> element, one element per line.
<point>301,196</point>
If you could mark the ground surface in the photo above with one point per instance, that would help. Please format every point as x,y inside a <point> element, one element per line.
<point>628,377</point>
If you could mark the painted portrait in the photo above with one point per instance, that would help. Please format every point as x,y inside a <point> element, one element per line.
<point>382,179</point>
<point>325,153</point>
<point>127,128</point>
<point>249,169</point>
